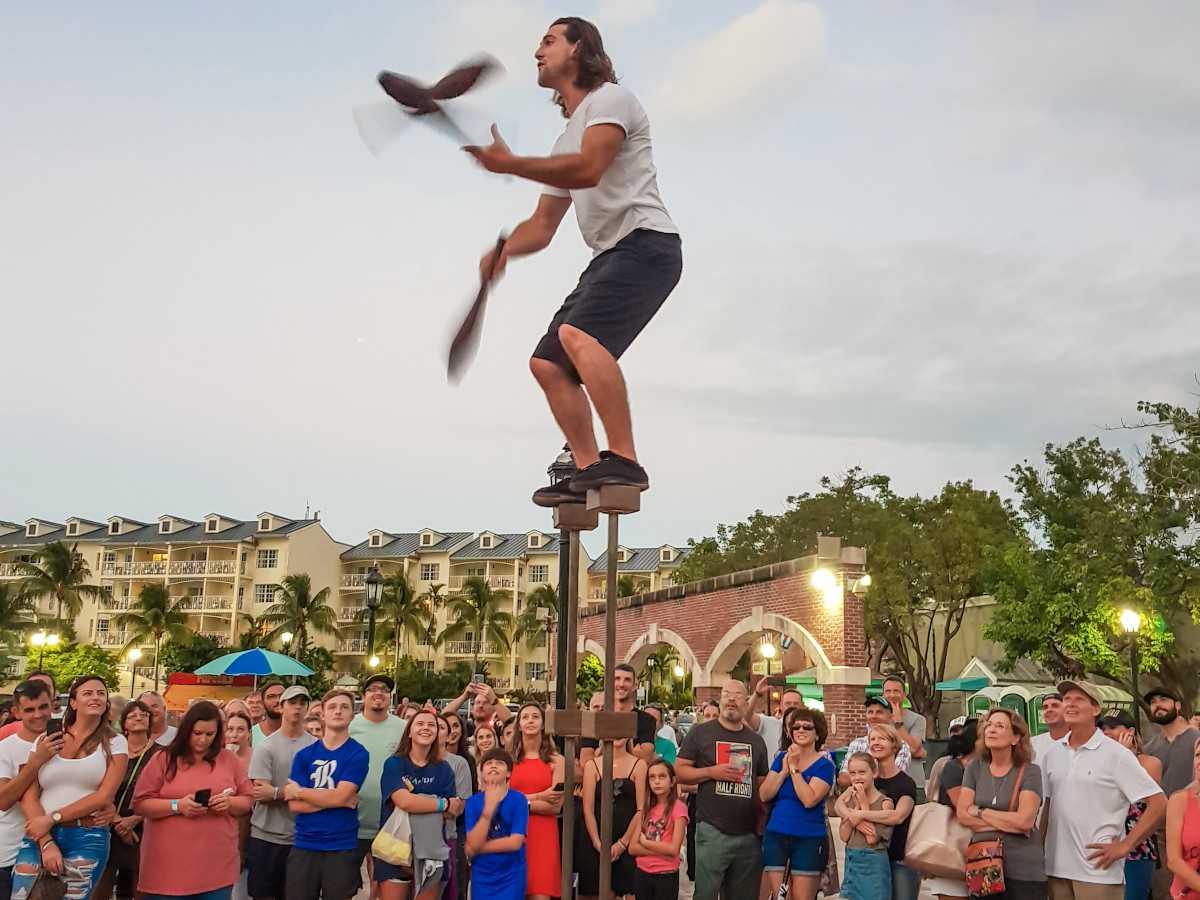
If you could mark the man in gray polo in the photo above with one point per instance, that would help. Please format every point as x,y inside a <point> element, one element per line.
<point>272,824</point>
<point>1175,742</point>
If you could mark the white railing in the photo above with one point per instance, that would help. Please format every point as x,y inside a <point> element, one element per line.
<point>110,639</point>
<point>598,594</point>
<point>467,648</point>
<point>114,603</point>
<point>208,603</point>
<point>354,580</point>
<point>9,570</point>
<point>221,639</point>
<point>496,582</point>
<point>181,567</point>
<point>352,646</point>
<point>349,613</point>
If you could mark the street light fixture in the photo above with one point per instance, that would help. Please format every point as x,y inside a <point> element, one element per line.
<point>133,656</point>
<point>286,640</point>
<point>679,671</point>
<point>373,662</point>
<point>1131,622</point>
<point>767,650</point>
<point>42,640</point>
<point>374,582</point>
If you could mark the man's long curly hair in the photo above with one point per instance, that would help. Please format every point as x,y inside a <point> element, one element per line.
<point>595,68</point>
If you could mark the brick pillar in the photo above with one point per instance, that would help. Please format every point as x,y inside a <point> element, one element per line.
<point>845,713</point>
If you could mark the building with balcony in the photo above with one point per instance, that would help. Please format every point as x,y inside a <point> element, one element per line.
<point>650,568</point>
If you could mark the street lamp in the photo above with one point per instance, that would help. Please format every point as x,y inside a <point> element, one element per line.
<point>42,640</point>
<point>374,583</point>
<point>1131,622</point>
<point>559,471</point>
<point>679,671</point>
<point>373,662</point>
<point>286,640</point>
<point>767,651</point>
<point>133,656</point>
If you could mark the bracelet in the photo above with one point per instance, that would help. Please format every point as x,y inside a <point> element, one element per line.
<point>441,804</point>
<point>46,843</point>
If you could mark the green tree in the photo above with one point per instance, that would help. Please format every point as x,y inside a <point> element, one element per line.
<point>16,610</point>
<point>529,625</point>
<point>201,649</point>
<point>298,610</point>
<point>589,677</point>
<point>66,663</point>
<point>401,614</point>
<point>1106,539</point>
<point>659,672</point>
<point>476,611</point>
<point>61,572</point>
<point>320,660</point>
<point>414,682</point>
<point>253,632</point>
<point>154,617</point>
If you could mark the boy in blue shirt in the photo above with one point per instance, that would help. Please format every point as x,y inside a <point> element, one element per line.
<point>323,793</point>
<point>497,820</point>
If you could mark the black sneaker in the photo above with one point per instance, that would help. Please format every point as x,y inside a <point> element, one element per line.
<point>556,494</point>
<point>610,469</point>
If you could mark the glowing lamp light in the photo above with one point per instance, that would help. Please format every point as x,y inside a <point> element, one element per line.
<point>824,580</point>
<point>134,655</point>
<point>767,650</point>
<point>373,661</point>
<point>286,637</point>
<point>1131,621</point>
<point>865,581</point>
<point>679,673</point>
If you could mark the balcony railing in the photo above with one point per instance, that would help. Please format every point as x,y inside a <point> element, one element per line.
<point>180,567</point>
<point>208,603</point>
<point>221,639</point>
<point>110,639</point>
<point>114,603</point>
<point>349,613</point>
<point>467,648</point>
<point>496,582</point>
<point>354,580</point>
<point>352,646</point>
<point>10,570</point>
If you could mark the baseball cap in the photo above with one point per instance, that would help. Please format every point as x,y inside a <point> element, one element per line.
<point>1117,717</point>
<point>1162,692</point>
<point>1064,686</point>
<point>877,701</point>
<point>380,678</point>
<point>296,690</point>
<point>959,721</point>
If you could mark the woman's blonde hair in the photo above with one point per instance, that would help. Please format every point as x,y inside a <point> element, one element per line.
<point>889,732</point>
<point>1022,751</point>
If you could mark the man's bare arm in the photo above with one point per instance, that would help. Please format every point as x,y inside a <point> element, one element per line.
<point>567,171</point>
<point>532,235</point>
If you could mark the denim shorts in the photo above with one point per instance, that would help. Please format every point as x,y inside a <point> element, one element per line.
<point>807,855</point>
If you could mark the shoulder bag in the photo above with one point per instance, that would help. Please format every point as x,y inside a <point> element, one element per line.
<point>985,859</point>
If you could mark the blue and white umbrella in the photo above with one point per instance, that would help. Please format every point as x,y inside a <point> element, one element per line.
<point>254,662</point>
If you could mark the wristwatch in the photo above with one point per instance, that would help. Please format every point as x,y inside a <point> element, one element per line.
<point>56,817</point>
<point>175,807</point>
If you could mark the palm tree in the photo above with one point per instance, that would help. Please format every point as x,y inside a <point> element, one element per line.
<point>58,570</point>
<point>529,625</point>
<point>298,610</point>
<point>404,614</point>
<point>253,633</point>
<point>155,616</point>
<point>659,666</point>
<point>16,608</point>
<point>627,586</point>
<point>477,610</point>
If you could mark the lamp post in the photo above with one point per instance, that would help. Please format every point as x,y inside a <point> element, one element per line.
<point>374,582</point>
<point>286,640</point>
<point>1131,622</point>
<point>560,470</point>
<point>767,650</point>
<point>42,640</point>
<point>133,656</point>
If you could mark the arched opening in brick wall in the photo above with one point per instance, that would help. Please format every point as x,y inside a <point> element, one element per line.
<point>657,637</point>
<point>588,646</point>
<point>805,652</point>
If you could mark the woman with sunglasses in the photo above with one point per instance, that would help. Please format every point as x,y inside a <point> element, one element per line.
<point>798,783</point>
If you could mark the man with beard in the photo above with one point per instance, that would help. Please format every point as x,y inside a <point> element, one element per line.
<point>1175,742</point>
<point>272,696</point>
<point>1056,728</point>
<point>379,732</point>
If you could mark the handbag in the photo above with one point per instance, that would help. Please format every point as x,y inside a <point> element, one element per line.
<point>985,859</point>
<point>393,844</point>
<point>937,843</point>
<point>47,887</point>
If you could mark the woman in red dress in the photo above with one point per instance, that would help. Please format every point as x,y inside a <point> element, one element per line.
<point>538,774</point>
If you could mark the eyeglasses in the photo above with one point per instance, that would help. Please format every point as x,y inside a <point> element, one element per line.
<point>804,726</point>
<point>377,689</point>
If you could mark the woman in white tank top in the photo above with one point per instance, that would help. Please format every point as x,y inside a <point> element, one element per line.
<point>80,781</point>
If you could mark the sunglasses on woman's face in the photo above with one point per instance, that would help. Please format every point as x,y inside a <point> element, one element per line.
<point>804,726</point>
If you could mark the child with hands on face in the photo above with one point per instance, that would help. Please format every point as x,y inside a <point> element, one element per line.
<point>497,821</point>
<point>868,870</point>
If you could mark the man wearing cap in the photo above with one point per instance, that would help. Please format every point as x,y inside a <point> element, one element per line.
<point>879,712</point>
<point>1175,742</point>
<point>1090,783</point>
<point>272,824</point>
<point>380,732</point>
<point>1056,728</point>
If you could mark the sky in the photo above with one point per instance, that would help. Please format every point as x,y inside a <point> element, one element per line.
<point>922,239</point>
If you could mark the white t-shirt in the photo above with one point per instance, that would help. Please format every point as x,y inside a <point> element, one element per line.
<point>64,780</point>
<point>164,739</point>
<point>627,196</point>
<point>770,729</point>
<point>1090,790</point>
<point>1041,746</point>
<point>14,753</point>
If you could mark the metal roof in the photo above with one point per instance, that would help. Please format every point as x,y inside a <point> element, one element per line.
<point>506,546</point>
<point>401,545</point>
<point>641,559</point>
<point>196,534</point>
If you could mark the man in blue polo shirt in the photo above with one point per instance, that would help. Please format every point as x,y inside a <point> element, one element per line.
<point>323,793</point>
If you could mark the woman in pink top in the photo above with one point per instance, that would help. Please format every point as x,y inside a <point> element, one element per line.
<point>660,834</point>
<point>191,797</point>
<point>1183,835</point>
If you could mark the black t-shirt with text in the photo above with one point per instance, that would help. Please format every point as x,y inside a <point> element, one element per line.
<point>729,806</point>
<point>899,785</point>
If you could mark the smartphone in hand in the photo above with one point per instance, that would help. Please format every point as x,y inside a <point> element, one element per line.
<point>203,796</point>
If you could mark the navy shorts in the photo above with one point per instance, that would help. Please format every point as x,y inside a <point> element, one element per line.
<point>807,855</point>
<point>617,295</point>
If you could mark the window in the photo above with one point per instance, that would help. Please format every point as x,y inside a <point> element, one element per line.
<point>265,593</point>
<point>102,626</point>
<point>539,574</point>
<point>665,555</point>
<point>424,665</point>
<point>72,528</point>
<point>31,529</point>
<point>427,540</point>
<point>114,527</point>
<point>485,542</point>
<point>430,571</point>
<point>423,639</point>
<point>268,559</point>
<point>535,540</point>
<point>210,525</point>
<point>110,556</point>
<point>376,540</point>
<point>535,671</point>
<point>622,556</point>
<point>241,593</point>
<point>264,524</point>
<point>164,527</point>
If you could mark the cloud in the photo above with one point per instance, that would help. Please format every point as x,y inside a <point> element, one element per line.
<point>623,13</point>
<point>753,59</point>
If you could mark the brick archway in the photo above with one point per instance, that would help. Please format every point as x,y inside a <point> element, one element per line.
<point>655,637</point>
<point>730,648</point>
